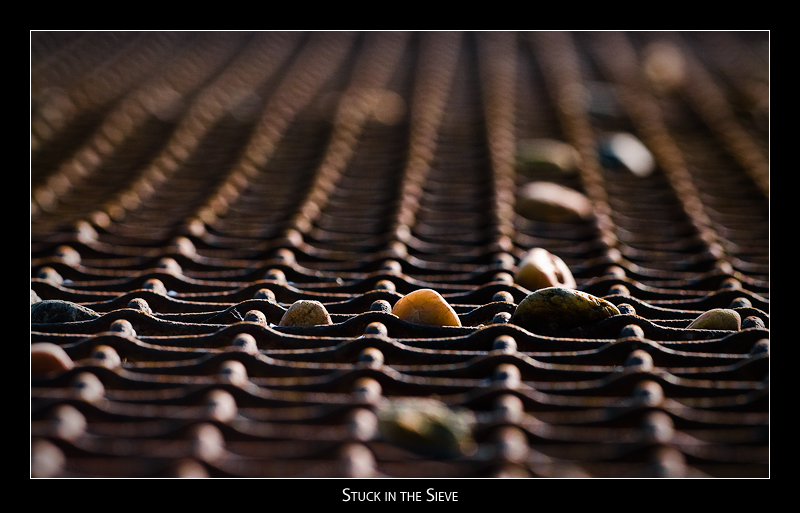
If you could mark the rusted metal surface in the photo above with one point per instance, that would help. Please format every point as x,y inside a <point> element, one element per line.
<point>190,187</point>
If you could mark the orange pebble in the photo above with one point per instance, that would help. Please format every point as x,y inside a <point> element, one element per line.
<point>426,306</point>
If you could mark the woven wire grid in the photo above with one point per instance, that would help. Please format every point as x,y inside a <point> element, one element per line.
<point>188,187</point>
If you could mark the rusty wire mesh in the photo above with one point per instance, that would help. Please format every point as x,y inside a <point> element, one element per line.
<point>188,187</point>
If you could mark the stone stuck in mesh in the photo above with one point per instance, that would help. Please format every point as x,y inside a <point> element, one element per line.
<point>551,202</point>
<point>556,309</point>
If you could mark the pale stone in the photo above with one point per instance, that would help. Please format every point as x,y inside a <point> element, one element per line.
<point>305,312</point>
<point>623,150</point>
<point>718,319</point>
<point>548,201</point>
<point>539,269</point>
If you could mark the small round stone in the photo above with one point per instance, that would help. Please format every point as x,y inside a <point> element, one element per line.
<point>540,269</point>
<point>718,319</point>
<point>426,306</point>
<point>48,358</point>
<point>536,156</point>
<point>56,311</point>
<point>304,312</point>
<point>548,201</point>
<point>557,308</point>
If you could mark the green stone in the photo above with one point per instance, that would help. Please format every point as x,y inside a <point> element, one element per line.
<point>536,156</point>
<point>556,308</point>
<point>427,425</point>
<point>55,310</point>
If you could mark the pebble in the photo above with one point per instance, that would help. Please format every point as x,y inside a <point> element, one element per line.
<point>623,150</point>
<point>549,201</point>
<point>540,269</point>
<point>304,312</point>
<point>718,319</point>
<point>426,306</point>
<point>559,308</point>
<point>427,425</point>
<point>56,310</point>
<point>546,155</point>
<point>48,358</point>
